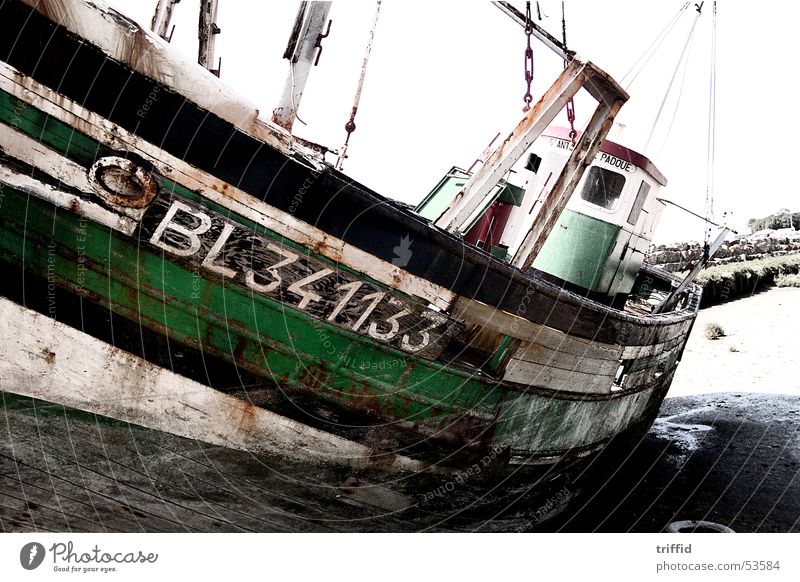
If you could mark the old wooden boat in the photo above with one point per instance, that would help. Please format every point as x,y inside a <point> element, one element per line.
<point>506,329</point>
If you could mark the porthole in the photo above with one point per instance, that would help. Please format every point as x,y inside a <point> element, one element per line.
<point>121,182</point>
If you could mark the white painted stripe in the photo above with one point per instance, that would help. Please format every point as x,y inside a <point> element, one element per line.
<point>222,193</point>
<point>23,148</point>
<point>45,359</point>
<point>26,149</point>
<point>66,200</point>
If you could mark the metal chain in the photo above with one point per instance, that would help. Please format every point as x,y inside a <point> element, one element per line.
<point>528,58</point>
<point>571,103</point>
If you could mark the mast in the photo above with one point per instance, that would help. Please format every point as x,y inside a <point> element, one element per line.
<point>207,32</point>
<point>303,42</point>
<point>162,18</point>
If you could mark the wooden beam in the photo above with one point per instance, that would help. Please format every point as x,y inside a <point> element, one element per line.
<point>582,155</point>
<point>515,145</point>
<point>207,32</point>
<point>311,17</point>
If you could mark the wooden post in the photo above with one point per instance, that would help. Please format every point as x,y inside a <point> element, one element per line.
<point>514,145</point>
<point>311,19</point>
<point>207,31</point>
<point>552,207</point>
<point>162,18</point>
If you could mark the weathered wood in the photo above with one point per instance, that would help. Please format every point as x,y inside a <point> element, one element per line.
<point>636,352</point>
<point>516,143</point>
<point>556,201</point>
<point>586,421</point>
<point>221,248</point>
<point>49,360</point>
<point>142,52</point>
<point>545,355</point>
<point>646,370</point>
<point>559,379</point>
<point>475,274</point>
<point>224,194</point>
<point>505,323</point>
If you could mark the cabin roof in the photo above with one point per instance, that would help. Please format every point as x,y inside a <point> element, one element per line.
<point>614,149</point>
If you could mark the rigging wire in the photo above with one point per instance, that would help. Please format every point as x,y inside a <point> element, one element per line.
<point>712,122</point>
<point>651,50</point>
<point>672,79</point>
<point>678,100</point>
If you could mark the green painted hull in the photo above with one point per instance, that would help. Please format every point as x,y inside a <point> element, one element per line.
<point>226,320</point>
<point>176,280</point>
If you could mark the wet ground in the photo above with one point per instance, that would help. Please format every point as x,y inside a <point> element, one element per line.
<point>727,458</point>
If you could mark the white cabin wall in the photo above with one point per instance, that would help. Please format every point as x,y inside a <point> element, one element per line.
<point>537,187</point>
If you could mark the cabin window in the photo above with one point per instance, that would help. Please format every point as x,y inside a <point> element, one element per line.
<point>603,187</point>
<point>638,204</point>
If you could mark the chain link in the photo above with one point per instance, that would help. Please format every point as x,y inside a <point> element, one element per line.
<point>571,118</point>
<point>571,103</point>
<point>528,58</point>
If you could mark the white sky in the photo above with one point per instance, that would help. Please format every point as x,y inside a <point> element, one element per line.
<point>445,76</point>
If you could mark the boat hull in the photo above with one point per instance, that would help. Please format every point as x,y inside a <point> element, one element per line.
<point>290,285</point>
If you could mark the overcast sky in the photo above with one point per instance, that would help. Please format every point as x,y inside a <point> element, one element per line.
<point>445,77</point>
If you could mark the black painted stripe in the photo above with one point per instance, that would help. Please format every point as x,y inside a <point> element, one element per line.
<point>333,203</point>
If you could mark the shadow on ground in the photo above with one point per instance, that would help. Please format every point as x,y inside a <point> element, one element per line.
<point>725,458</point>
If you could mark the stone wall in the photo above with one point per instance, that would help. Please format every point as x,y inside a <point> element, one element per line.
<point>677,257</point>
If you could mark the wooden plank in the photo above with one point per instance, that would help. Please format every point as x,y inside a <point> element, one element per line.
<point>505,323</point>
<point>646,370</point>
<point>532,374</point>
<point>144,52</point>
<point>636,352</point>
<point>543,355</point>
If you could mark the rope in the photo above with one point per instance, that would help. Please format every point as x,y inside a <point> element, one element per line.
<point>350,126</point>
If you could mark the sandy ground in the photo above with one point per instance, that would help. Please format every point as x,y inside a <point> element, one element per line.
<point>759,353</point>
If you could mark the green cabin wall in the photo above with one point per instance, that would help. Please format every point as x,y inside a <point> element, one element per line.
<point>578,250</point>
